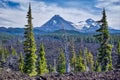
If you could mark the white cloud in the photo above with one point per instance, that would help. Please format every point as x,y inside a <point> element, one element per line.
<point>113,11</point>
<point>43,12</point>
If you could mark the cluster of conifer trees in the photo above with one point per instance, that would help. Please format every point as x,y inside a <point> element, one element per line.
<point>35,64</point>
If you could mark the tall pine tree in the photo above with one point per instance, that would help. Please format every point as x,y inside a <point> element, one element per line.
<point>42,65</point>
<point>80,63</point>
<point>29,47</point>
<point>73,58</point>
<point>118,52</point>
<point>6,52</point>
<point>61,67</point>
<point>96,66</point>
<point>2,55</point>
<point>104,56</point>
<point>13,51</point>
<point>90,61</point>
<point>21,62</point>
<point>85,58</point>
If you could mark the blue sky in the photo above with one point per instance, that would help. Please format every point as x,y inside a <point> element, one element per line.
<point>13,12</point>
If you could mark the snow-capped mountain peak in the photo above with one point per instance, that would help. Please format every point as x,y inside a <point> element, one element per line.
<point>91,22</point>
<point>57,23</point>
<point>79,25</point>
<point>87,25</point>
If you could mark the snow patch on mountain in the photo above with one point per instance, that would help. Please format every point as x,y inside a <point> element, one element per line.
<point>54,22</point>
<point>79,25</point>
<point>87,25</point>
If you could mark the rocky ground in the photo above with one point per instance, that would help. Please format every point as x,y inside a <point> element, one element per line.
<point>7,74</point>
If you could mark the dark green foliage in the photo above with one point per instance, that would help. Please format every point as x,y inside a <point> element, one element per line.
<point>97,66</point>
<point>42,65</point>
<point>2,55</point>
<point>118,52</point>
<point>51,68</point>
<point>21,62</point>
<point>13,51</point>
<point>73,58</point>
<point>85,57</point>
<point>54,66</point>
<point>61,67</point>
<point>29,47</point>
<point>80,63</point>
<point>104,56</point>
<point>90,61</point>
<point>6,52</point>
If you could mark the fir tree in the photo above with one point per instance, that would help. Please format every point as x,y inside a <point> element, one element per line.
<point>2,55</point>
<point>54,66</point>
<point>21,62</point>
<point>6,52</point>
<point>80,63</point>
<point>51,68</point>
<point>61,67</point>
<point>13,51</point>
<point>90,62</point>
<point>85,58</point>
<point>73,58</point>
<point>29,47</point>
<point>96,66</point>
<point>118,52</point>
<point>42,65</point>
<point>104,56</point>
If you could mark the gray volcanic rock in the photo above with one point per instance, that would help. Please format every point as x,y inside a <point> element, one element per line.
<point>6,74</point>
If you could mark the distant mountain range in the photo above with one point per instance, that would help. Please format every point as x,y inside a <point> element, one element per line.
<point>57,24</point>
<point>90,26</point>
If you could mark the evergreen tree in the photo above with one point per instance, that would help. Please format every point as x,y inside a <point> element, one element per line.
<point>6,52</point>
<point>13,51</point>
<point>85,58</point>
<point>73,58</point>
<point>21,62</point>
<point>42,65</point>
<point>29,47</point>
<point>96,66</point>
<point>80,63</point>
<point>61,67</point>
<point>51,68</point>
<point>90,61</point>
<point>118,52</point>
<point>54,66</point>
<point>2,55</point>
<point>104,56</point>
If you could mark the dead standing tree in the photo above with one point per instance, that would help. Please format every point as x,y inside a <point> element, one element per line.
<point>65,48</point>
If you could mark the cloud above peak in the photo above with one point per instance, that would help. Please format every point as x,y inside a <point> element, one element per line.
<point>13,14</point>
